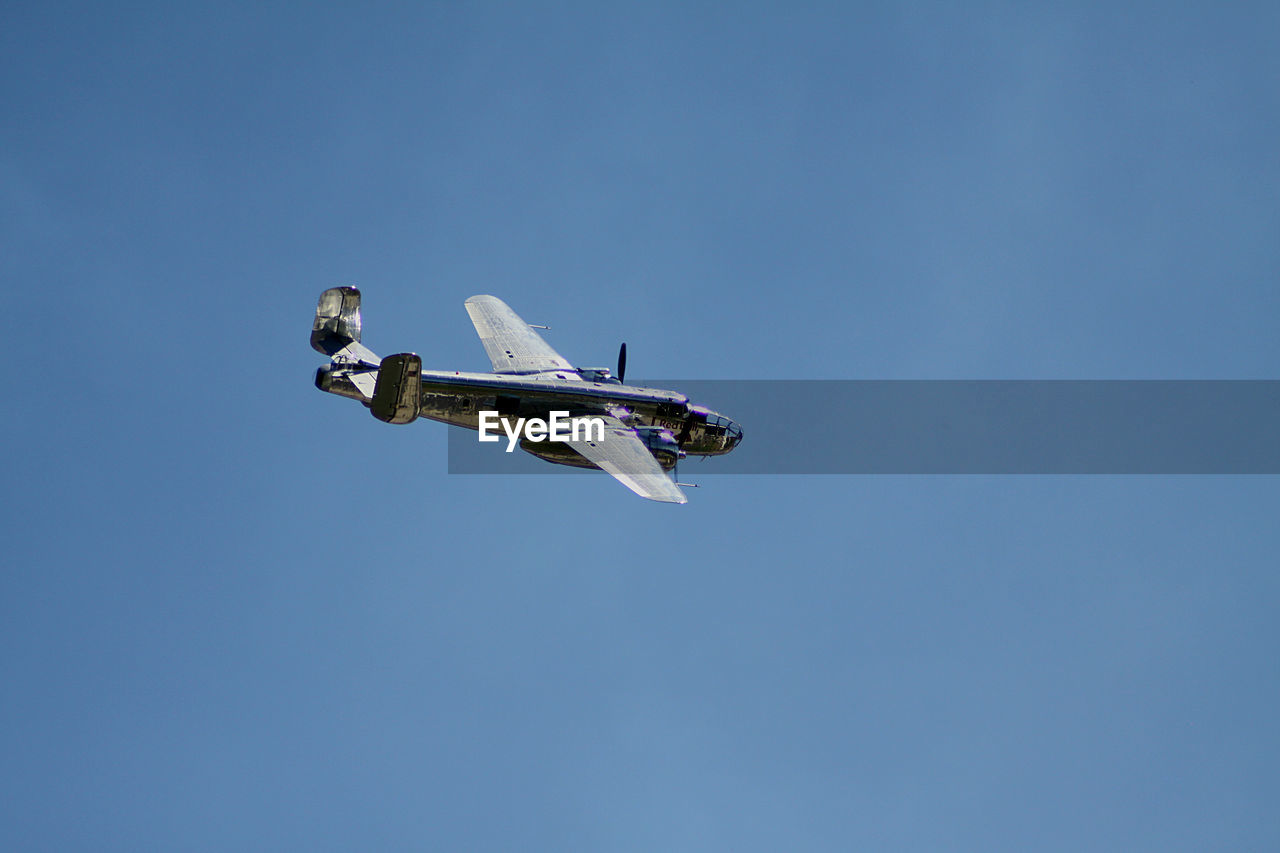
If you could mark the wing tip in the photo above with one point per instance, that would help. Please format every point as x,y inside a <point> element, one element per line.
<point>675,496</point>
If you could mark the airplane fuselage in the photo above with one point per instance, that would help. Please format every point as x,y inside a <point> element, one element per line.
<point>457,398</point>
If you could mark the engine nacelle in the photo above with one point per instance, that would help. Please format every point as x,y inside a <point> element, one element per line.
<point>598,374</point>
<point>662,444</point>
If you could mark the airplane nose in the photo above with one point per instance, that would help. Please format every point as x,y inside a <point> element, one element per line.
<point>717,433</point>
<point>733,435</point>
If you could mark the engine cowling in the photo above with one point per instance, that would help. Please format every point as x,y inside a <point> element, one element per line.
<point>662,444</point>
<point>598,374</point>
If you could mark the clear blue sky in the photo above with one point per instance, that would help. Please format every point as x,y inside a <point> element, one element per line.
<point>238,614</point>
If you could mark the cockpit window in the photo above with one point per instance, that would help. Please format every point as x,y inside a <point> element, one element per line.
<point>716,427</point>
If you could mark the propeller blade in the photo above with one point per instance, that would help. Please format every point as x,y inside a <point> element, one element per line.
<point>622,363</point>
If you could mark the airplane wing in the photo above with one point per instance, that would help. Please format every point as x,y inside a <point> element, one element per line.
<point>511,345</point>
<point>623,455</point>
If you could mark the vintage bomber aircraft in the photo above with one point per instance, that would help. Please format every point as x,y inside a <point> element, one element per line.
<point>647,430</point>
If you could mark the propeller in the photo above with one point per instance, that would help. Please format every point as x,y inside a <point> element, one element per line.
<point>622,363</point>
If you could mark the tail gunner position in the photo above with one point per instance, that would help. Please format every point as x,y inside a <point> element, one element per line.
<point>642,432</point>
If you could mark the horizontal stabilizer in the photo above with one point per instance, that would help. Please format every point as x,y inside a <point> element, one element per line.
<point>397,396</point>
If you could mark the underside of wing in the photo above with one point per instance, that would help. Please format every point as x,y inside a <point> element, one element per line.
<point>511,345</point>
<point>623,454</point>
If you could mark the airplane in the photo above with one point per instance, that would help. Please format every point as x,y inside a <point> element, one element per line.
<point>640,433</point>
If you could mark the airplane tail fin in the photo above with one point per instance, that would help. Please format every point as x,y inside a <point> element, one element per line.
<point>337,320</point>
<point>336,333</point>
<point>397,394</point>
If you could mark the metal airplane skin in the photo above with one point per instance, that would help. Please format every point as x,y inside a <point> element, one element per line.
<point>646,430</point>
